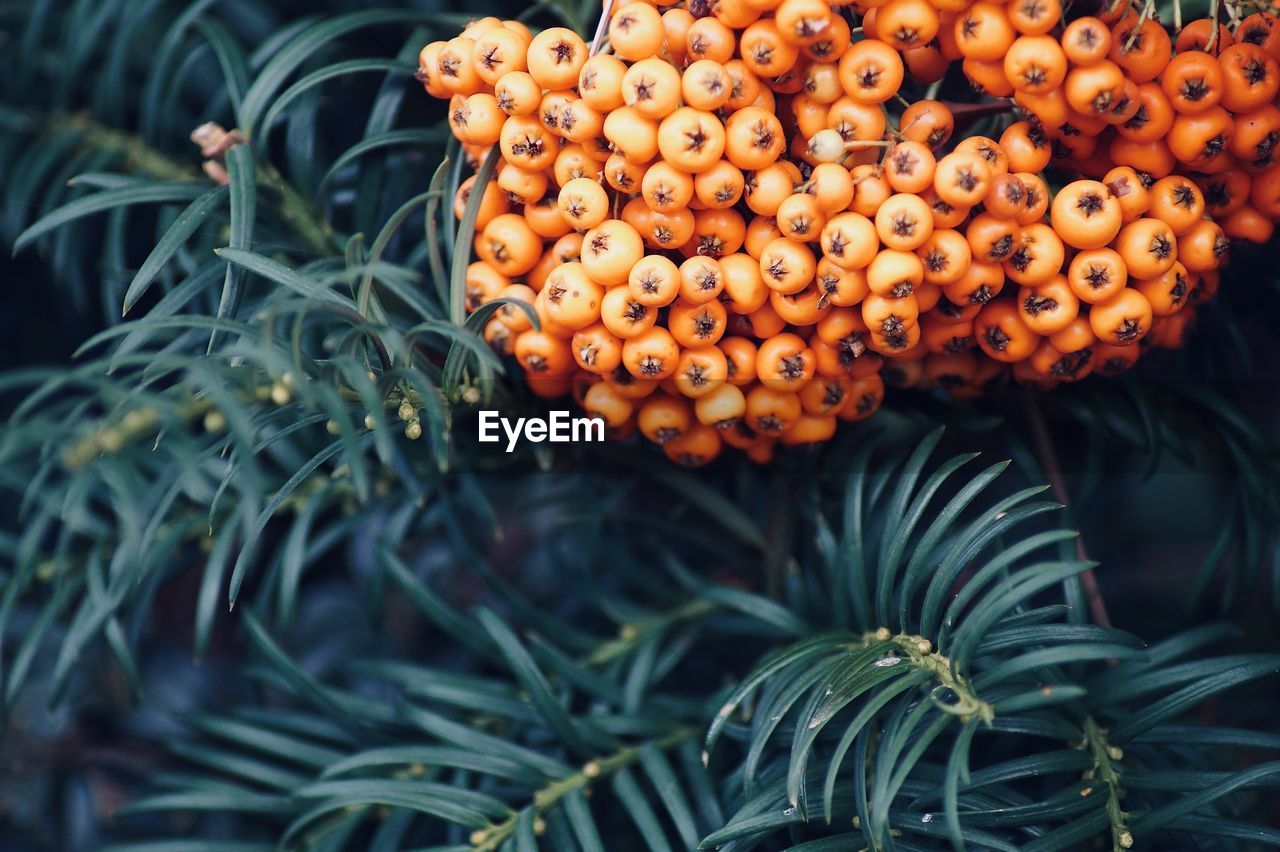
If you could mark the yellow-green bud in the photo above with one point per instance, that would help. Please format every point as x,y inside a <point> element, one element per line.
<point>110,440</point>
<point>136,419</point>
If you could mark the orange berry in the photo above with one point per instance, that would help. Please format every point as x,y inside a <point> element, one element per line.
<point>1085,214</point>
<point>636,31</point>
<point>1122,320</point>
<point>555,58</point>
<point>871,71</point>
<point>610,250</point>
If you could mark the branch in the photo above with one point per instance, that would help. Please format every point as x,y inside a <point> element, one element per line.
<point>546,798</point>
<point>1106,757</point>
<point>968,111</point>
<point>1049,461</point>
<point>137,154</point>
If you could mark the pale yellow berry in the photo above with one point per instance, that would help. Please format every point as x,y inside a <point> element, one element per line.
<point>827,146</point>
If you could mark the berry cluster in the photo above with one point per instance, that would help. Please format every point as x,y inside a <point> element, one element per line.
<point>731,234</point>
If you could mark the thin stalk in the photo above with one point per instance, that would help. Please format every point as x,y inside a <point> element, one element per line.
<point>918,652</point>
<point>491,838</point>
<point>1106,757</point>
<point>1147,8</point>
<point>138,156</point>
<point>779,560</point>
<point>298,211</point>
<point>1049,461</point>
<point>601,25</point>
<point>964,112</point>
<point>633,633</point>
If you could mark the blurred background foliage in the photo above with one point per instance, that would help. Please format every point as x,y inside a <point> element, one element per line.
<point>429,640</point>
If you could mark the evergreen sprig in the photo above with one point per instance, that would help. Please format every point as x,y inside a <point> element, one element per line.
<point>989,716</point>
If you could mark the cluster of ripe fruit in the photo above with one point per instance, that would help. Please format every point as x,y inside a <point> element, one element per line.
<point>732,234</point>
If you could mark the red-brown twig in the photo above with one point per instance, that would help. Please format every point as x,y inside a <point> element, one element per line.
<point>1049,461</point>
<point>966,111</point>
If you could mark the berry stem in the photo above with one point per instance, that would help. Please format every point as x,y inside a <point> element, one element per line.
<point>1147,8</point>
<point>1049,462</point>
<point>601,24</point>
<point>962,112</point>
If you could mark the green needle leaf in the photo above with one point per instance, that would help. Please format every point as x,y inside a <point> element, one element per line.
<point>187,223</point>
